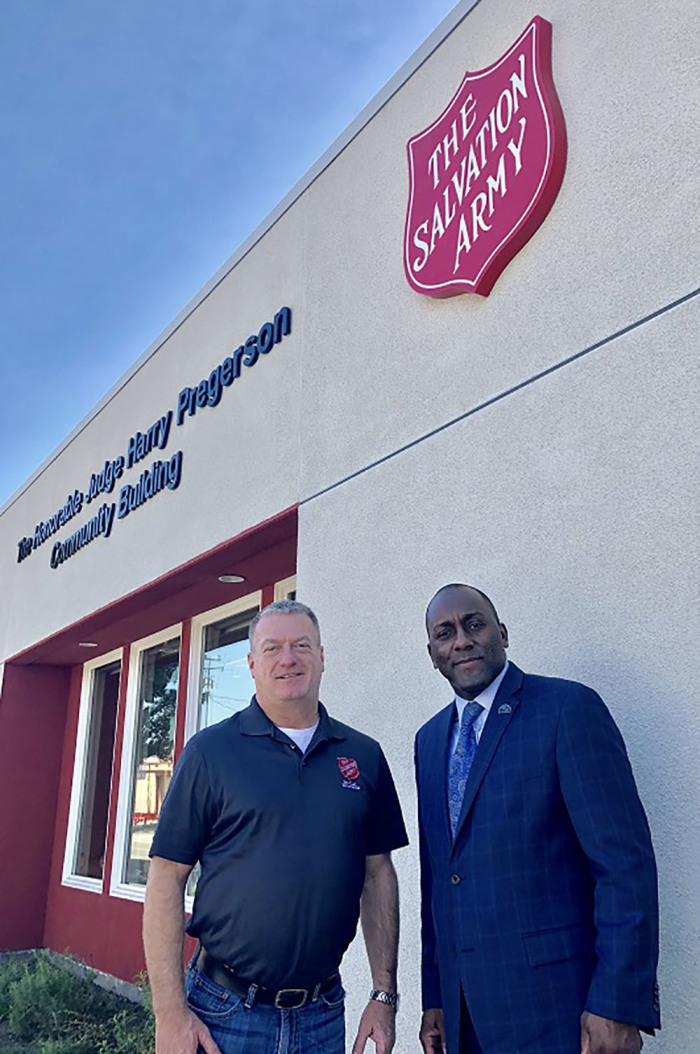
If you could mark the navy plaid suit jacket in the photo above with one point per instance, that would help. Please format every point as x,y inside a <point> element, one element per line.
<point>546,904</point>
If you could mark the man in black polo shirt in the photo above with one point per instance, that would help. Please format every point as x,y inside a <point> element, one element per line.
<point>292,817</point>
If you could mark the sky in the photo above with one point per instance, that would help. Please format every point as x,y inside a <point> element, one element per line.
<point>141,141</point>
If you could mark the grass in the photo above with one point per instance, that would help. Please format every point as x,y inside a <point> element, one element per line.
<point>62,1013</point>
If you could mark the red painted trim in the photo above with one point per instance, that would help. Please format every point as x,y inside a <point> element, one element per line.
<point>116,770</point>
<point>182,685</point>
<point>267,595</point>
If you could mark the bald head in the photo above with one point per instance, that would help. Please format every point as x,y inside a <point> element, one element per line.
<point>457,586</point>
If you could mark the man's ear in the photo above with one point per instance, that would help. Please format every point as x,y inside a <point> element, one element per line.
<point>323,659</point>
<point>504,633</point>
<point>251,661</point>
<point>431,656</point>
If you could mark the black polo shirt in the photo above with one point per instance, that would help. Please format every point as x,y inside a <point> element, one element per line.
<point>282,838</point>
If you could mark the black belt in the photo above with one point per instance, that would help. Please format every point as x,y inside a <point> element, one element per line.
<point>283,998</point>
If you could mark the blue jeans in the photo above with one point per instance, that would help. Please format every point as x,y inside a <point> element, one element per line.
<point>316,1028</point>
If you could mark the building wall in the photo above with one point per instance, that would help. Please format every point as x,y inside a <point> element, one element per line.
<point>561,475</point>
<point>572,499</point>
<point>32,719</point>
<point>570,503</point>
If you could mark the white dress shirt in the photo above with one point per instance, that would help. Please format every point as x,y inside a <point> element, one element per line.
<point>484,699</point>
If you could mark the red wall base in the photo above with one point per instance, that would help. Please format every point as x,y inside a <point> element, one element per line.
<point>32,718</point>
<point>102,931</point>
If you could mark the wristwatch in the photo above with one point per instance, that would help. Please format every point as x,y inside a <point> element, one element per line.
<point>389,998</point>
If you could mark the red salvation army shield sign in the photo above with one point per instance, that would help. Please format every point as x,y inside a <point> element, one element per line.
<point>485,174</point>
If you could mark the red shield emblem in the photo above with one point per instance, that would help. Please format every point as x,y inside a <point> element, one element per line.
<point>348,768</point>
<point>485,174</point>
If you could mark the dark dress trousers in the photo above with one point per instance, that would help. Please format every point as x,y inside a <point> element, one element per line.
<point>545,905</point>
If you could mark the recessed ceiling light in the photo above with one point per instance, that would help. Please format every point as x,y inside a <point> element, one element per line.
<point>231,579</point>
<point>88,644</point>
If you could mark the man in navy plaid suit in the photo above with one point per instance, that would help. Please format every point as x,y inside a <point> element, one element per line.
<point>540,914</point>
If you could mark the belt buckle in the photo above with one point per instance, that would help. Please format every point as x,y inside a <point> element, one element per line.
<point>289,991</point>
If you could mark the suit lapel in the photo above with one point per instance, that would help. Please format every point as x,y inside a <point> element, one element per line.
<point>507,701</point>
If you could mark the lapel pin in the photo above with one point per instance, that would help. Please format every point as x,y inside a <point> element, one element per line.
<point>505,708</point>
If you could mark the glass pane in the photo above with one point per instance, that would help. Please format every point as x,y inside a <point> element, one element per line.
<point>153,756</point>
<point>97,774</point>
<point>226,685</point>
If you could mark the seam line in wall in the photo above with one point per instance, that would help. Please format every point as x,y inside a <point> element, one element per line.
<point>504,394</point>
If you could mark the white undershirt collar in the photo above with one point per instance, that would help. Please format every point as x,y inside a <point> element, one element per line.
<point>301,736</point>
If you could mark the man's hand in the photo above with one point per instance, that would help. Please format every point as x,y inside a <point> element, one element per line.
<point>432,1032</point>
<point>600,1035</point>
<point>181,1032</point>
<point>378,1023</point>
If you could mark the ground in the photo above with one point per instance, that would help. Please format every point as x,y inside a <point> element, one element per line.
<point>10,1045</point>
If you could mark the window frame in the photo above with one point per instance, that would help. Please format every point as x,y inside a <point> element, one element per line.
<point>68,877</point>
<point>118,887</point>
<point>285,586</point>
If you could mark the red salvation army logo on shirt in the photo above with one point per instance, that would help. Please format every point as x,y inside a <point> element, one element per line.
<point>485,174</point>
<point>348,768</point>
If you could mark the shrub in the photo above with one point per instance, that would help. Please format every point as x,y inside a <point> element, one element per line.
<point>67,1014</point>
<point>11,970</point>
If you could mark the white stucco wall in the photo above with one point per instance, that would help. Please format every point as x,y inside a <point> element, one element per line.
<point>571,503</point>
<point>572,500</point>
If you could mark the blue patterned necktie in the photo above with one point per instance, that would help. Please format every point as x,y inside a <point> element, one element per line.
<point>461,762</point>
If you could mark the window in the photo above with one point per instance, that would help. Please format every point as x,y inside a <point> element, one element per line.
<point>147,758</point>
<point>92,776</point>
<point>286,589</point>
<point>220,683</point>
<point>226,685</point>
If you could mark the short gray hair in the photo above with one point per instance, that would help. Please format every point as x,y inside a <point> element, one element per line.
<point>284,607</point>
